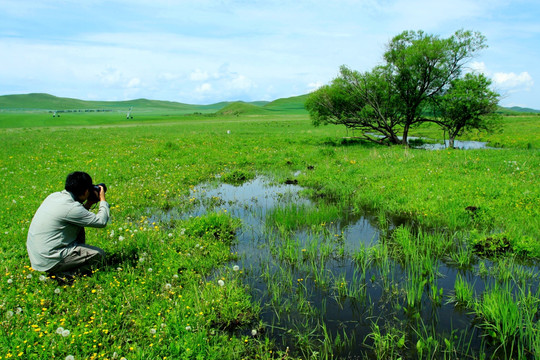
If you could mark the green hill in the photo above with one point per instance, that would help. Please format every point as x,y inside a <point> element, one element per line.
<point>240,107</point>
<point>37,101</point>
<point>293,104</point>
<point>54,103</point>
<point>290,105</point>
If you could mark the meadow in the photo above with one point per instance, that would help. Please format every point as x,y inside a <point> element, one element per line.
<point>174,289</point>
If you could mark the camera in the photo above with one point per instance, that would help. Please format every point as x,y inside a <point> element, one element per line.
<point>94,192</point>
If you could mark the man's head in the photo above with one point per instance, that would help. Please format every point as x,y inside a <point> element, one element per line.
<point>78,183</point>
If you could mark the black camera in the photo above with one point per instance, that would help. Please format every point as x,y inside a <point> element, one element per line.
<point>95,190</point>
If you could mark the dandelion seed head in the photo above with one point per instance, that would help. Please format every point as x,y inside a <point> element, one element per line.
<point>150,270</point>
<point>253,332</point>
<point>59,330</point>
<point>70,357</point>
<point>236,267</point>
<point>121,238</point>
<point>10,281</point>
<point>65,333</point>
<point>9,314</point>
<point>57,291</point>
<point>153,331</point>
<point>188,328</point>
<point>168,286</point>
<point>29,276</point>
<point>42,278</point>
<point>221,282</point>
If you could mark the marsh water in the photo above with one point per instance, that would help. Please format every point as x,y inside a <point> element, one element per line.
<point>309,285</point>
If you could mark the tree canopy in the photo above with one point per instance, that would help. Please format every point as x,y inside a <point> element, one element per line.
<point>420,72</point>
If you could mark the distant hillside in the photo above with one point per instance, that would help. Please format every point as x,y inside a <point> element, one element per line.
<point>240,107</point>
<point>38,101</point>
<point>50,102</point>
<point>291,105</point>
<point>523,110</point>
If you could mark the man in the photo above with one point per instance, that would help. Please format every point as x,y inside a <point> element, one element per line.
<point>56,237</point>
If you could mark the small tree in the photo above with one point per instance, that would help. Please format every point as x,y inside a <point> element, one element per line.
<point>363,101</point>
<point>468,104</point>
<point>423,65</point>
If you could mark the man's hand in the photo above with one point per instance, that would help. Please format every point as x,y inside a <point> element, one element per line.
<point>101,193</point>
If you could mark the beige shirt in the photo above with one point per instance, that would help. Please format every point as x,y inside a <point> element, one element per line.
<point>55,226</point>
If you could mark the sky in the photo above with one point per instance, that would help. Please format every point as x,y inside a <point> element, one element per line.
<point>203,52</point>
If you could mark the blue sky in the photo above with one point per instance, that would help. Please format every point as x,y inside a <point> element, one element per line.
<point>202,52</point>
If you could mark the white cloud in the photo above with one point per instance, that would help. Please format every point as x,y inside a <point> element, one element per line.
<point>198,75</point>
<point>513,81</point>
<point>314,86</point>
<point>134,83</point>
<point>478,67</point>
<point>241,82</point>
<point>204,88</point>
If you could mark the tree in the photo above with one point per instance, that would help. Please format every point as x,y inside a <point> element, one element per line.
<point>423,65</point>
<point>418,68</point>
<point>467,104</point>
<point>362,101</point>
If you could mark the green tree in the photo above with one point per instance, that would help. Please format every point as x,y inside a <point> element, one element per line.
<point>418,68</point>
<point>423,65</point>
<point>361,101</point>
<point>468,104</point>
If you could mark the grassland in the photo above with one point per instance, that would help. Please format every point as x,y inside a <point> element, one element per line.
<point>172,291</point>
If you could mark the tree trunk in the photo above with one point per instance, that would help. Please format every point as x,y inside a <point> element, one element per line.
<point>451,142</point>
<point>405,134</point>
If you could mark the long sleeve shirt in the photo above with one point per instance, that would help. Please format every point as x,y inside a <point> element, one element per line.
<point>53,232</point>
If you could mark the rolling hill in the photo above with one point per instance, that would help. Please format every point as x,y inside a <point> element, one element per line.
<point>47,102</point>
<point>291,105</point>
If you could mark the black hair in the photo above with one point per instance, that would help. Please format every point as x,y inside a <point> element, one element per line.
<point>78,182</point>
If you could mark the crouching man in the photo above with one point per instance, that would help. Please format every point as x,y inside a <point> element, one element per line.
<point>56,240</point>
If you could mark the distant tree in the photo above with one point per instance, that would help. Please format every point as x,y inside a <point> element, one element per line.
<point>423,65</point>
<point>418,67</point>
<point>467,104</point>
<point>362,101</point>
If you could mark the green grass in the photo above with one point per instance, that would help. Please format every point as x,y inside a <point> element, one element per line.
<point>151,163</point>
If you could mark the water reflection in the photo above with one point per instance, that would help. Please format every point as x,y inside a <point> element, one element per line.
<point>318,283</point>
